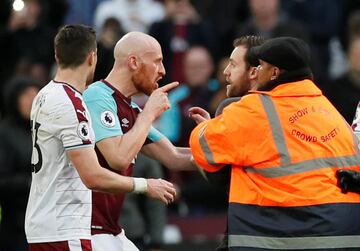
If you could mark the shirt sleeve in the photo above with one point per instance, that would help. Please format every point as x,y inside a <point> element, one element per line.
<point>103,112</point>
<point>202,152</point>
<point>155,135</point>
<point>219,141</point>
<point>72,127</point>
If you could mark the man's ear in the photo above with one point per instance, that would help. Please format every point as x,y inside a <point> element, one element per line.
<point>92,58</point>
<point>253,73</point>
<point>133,62</point>
<point>276,73</point>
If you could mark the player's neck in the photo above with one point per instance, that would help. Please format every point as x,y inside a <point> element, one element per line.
<point>122,82</point>
<point>74,77</point>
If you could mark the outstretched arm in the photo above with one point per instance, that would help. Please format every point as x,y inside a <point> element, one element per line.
<point>198,114</point>
<point>174,158</point>
<point>97,178</point>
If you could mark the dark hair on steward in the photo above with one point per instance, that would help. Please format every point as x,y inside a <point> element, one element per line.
<point>248,42</point>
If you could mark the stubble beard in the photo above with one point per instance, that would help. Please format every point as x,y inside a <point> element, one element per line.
<point>141,83</point>
<point>239,90</point>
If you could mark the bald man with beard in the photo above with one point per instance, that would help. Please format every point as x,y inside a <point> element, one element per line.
<point>122,130</point>
<point>64,164</point>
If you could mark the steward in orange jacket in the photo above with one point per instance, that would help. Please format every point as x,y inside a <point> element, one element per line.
<point>284,144</point>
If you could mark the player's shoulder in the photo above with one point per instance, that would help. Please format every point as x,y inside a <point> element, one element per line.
<point>97,91</point>
<point>56,100</point>
<point>248,105</point>
<point>55,95</point>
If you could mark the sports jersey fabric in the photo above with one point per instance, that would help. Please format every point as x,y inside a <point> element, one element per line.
<point>59,206</point>
<point>112,115</point>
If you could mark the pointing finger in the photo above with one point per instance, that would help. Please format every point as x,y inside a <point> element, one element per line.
<point>168,87</point>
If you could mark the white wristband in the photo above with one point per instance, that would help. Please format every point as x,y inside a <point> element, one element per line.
<point>140,185</point>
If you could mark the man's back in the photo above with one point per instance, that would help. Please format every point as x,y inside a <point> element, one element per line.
<point>283,185</point>
<point>59,206</point>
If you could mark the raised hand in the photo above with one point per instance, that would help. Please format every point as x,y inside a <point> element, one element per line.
<point>198,114</point>
<point>158,101</point>
<point>161,189</point>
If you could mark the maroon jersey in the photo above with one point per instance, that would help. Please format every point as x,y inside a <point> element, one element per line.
<point>112,114</point>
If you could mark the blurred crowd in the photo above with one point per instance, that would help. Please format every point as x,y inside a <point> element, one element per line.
<point>196,39</point>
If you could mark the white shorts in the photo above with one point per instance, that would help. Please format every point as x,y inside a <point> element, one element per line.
<point>109,242</point>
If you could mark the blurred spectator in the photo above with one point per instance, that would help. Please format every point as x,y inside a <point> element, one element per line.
<point>5,11</point>
<point>268,21</point>
<point>29,39</point>
<point>223,16</point>
<point>353,27</point>
<point>344,92</point>
<point>27,43</point>
<point>33,38</point>
<point>182,28</point>
<point>134,15</point>
<point>143,218</point>
<point>220,94</point>
<point>197,90</point>
<point>321,18</point>
<point>56,12</point>
<point>7,57</point>
<point>110,33</point>
<point>81,11</point>
<point>15,155</point>
<point>347,25</point>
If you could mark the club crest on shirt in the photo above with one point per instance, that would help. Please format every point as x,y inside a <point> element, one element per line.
<point>83,130</point>
<point>107,119</point>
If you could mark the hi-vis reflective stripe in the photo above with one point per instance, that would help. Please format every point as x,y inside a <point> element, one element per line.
<point>291,243</point>
<point>303,166</point>
<point>206,149</point>
<point>286,167</point>
<point>307,165</point>
<point>278,133</point>
<point>276,129</point>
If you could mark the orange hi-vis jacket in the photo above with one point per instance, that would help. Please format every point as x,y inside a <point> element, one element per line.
<point>284,147</point>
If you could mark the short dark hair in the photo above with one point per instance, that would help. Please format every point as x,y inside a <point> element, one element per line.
<point>249,42</point>
<point>73,43</point>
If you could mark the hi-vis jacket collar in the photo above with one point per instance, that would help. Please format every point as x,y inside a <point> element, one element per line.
<point>295,89</point>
